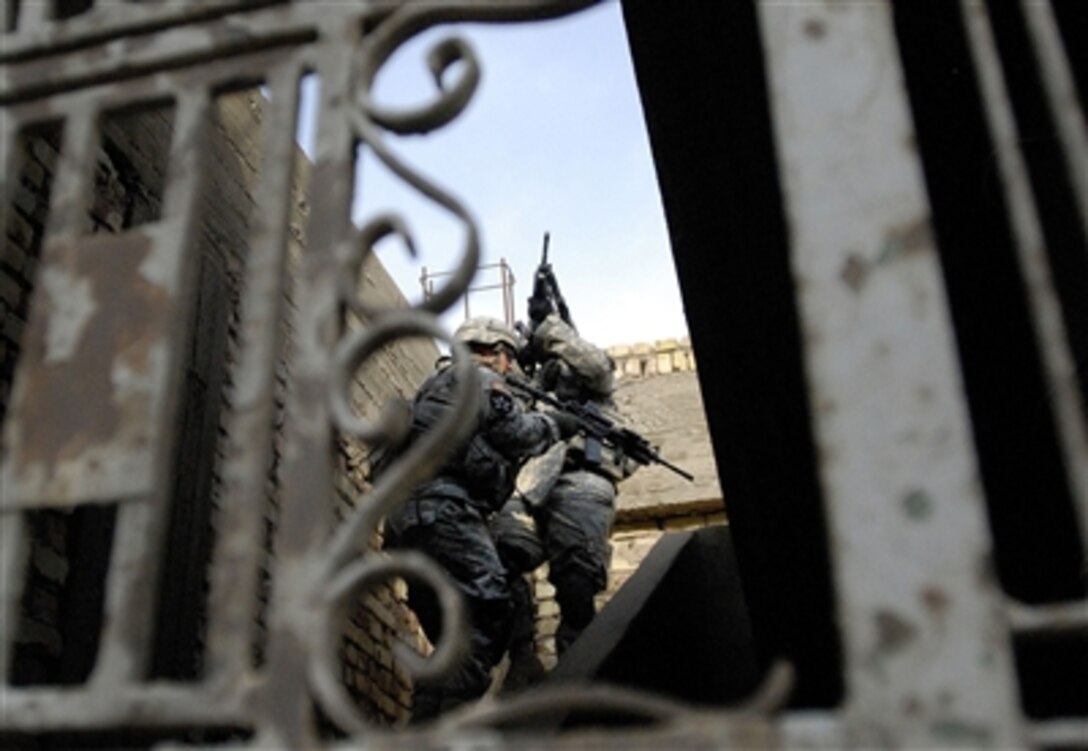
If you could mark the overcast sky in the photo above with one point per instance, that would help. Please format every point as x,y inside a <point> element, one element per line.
<point>553,141</point>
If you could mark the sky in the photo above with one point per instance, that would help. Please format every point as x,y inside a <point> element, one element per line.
<point>553,141</point>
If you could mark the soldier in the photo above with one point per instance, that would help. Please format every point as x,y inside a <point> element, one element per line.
<point>563,515</point>
<point>446,517</point>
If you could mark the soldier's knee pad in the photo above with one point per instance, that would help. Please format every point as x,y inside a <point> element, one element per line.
<point>517,538</point>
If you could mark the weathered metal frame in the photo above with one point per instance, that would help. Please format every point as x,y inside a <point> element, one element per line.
<point>898,467</point>
<point>909,538</point>
<point>56,70</point>
<point>864,251</point>
<point>121,55</point>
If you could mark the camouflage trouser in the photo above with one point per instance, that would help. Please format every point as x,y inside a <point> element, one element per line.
<point>576,526</point>
<point>571,531</point>
<point>457,538</point>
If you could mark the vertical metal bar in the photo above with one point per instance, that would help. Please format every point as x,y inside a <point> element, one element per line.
<point>1031,249</point>
<point>130,594</point>
<point>233,600</point>
<point>74,177</point>
<point>1065,104</point>
<point>11,156</point>
<point>507,283</point>
<point>307,508</point>
<point>32,15</point>
<point>925,642</point>
<point>14,549</point>
<point>186,173</point>
<point>8,16</point>
<point>131,601</point>
<point>510,295</point>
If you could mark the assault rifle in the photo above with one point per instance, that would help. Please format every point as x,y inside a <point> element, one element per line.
<point>624,441</point>
<point>546,297</point>
<point>545,300</point>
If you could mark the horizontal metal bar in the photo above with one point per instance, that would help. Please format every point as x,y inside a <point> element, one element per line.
<point>36,35</point>
<point>1064,733</point>
<point>189,47</point>
<point>1056,618</point>
<point>130,705</point>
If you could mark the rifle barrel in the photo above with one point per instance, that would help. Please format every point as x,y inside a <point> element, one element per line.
<point>599,425</point>
<point>682,472</point>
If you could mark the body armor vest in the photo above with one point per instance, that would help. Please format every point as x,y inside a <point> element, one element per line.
<point>476,472</point>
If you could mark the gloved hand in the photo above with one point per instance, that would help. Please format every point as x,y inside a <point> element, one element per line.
<point>539,309</point>
<point>568,424</point>
<point>550,371</point>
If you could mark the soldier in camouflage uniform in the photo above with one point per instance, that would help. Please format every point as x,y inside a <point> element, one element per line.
<point>563,508</point>
<point>446,517</point>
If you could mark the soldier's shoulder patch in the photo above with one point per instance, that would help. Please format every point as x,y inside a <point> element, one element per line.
<point>500,399</point>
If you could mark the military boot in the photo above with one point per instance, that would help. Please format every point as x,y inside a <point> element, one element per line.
<point>525,669</point>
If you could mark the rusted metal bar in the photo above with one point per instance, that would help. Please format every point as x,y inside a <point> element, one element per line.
<point>145,705</point>
<point>284,710</point>
<point>128,621</point>
<point>37,34</point>
<point>239,521</point>
<point>135,562</point>
<point>74,177</point>
<point>179,48</point>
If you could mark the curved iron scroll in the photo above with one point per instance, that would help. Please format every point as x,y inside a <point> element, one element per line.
<point>348,567</point>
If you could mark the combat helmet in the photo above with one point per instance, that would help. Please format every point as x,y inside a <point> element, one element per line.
<point>487,332</point>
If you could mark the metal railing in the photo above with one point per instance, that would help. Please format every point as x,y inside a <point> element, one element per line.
<point>505,286</point>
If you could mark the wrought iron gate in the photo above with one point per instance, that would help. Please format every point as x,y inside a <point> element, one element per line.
<point>91,418</point>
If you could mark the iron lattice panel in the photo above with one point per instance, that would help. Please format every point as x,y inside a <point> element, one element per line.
<point>112,310</point>
<point>119,448</point>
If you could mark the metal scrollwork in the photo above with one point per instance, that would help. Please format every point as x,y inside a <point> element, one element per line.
<point>348,567</point>
<point>346,573</point>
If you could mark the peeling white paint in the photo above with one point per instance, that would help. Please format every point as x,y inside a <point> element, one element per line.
<point>73,306</point>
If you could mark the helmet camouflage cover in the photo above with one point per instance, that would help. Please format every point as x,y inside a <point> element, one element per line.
<point>488,332</point>
<point>590,365</point>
